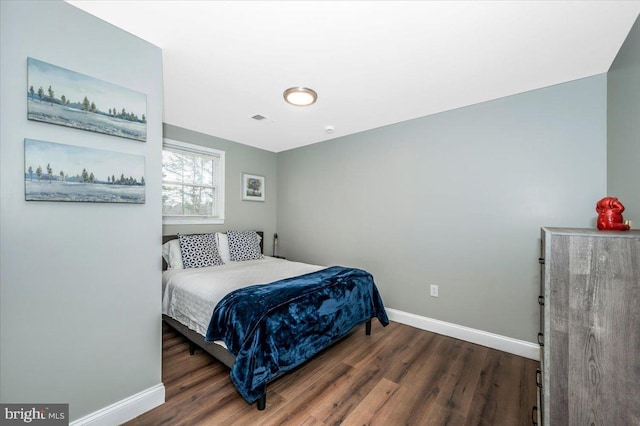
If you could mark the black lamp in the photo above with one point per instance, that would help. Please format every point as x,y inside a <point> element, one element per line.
<point>275,245</point>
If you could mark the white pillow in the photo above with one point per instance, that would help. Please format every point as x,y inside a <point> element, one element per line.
<point>172,255</point>
<point>223,247</point>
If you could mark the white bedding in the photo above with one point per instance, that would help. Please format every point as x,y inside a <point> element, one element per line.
<point>189,295</point>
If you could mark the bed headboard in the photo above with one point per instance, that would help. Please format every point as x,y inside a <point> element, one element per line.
<point>166,238</point>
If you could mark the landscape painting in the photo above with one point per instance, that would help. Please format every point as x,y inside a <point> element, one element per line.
<point>252,187</point>
<point>58,172</point>
<point>59,96</point>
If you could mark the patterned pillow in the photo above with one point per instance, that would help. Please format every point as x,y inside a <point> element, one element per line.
<point>244,245</point>
<point>199,250</point>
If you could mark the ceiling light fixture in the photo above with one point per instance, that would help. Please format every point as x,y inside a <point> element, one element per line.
<point>300,96</point>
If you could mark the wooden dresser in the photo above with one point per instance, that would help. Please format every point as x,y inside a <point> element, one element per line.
<point>590,328</point>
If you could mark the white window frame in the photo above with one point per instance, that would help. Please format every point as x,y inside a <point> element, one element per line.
<point>220,177</point>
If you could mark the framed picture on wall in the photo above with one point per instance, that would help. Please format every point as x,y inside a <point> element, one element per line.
<point>253,187</point>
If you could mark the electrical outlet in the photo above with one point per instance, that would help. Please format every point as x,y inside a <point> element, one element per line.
<point>434,290</point>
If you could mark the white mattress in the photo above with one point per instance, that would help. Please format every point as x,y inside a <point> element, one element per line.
<point>189,295</point>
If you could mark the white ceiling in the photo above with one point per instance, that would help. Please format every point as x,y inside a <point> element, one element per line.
<point>372,63</point>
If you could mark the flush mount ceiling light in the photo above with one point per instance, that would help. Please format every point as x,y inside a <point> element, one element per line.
<point>300,96</point>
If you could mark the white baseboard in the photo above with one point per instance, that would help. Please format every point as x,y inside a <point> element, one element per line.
<point>126,409</point>
<point>484,338</point>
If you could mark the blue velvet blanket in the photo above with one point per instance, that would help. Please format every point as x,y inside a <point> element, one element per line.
<point>273,328</point>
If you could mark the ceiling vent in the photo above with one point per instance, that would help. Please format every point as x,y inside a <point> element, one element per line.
<point>259,117</point>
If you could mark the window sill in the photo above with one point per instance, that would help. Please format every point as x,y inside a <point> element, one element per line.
<point>192,221</point>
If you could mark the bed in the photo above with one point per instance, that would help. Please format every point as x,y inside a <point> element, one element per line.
<point>263,316</point>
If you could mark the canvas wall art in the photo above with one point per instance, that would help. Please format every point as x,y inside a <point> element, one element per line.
<point>59,172</point>
<point>59,96</point>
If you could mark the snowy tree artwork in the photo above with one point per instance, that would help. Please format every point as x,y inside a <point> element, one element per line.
<point>59,96</point>
<point>252,187</point>
<point>75,173</point>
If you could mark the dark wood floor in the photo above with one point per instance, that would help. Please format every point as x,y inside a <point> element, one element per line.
<point>397,376</point>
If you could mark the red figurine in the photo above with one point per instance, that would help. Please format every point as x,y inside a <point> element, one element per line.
<point>610,214</point>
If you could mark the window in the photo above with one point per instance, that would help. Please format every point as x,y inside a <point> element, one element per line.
<point>192,184</point>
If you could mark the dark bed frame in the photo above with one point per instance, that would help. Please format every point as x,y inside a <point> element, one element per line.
<point>215,350</point>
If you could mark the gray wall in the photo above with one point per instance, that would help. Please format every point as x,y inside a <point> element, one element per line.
<point>239,158</point>
<point>455,199</point>
<point>79,282</point>
<point>623,126</point>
